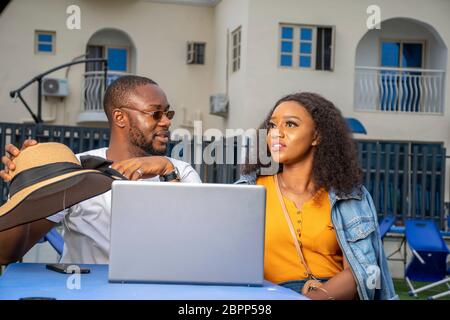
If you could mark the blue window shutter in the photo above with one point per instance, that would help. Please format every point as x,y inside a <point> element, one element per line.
<point>305,47</point>
<point>286,60</point>
<point>305,61</point>
<point>45,48</point>
<point>287,33</point>
<point>306,34</point>
<point>286,46</point>
<point>45,37</point>
<point>412,55</point>
<point>390,54</point>
<point>117,59</point>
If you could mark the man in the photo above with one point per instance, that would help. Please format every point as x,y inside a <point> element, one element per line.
<point>139,119</point>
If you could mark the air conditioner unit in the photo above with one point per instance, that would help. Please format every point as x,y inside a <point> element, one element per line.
<point>218,105</point>
<point>55,87</point>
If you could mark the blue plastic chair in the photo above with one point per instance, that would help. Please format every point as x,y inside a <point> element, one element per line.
<point>429,261</point>
<point>386,224</point>
<point>355,126</point>
<point>55,239</point>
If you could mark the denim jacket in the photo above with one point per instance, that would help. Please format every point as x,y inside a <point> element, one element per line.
<point>355,220</point>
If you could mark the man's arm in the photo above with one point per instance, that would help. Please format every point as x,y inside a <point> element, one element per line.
<point>15,242</point>
<point>143,167</point>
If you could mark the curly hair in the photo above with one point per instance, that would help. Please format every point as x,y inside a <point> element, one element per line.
<point>335,163</point>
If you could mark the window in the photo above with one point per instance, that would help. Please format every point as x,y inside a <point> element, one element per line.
<point>236,49</point>
<point>118,61</point>
<point>94,52</point>
<point>118,58</point>
<point>402,90</point>
<point>44,42</point>
<point>402,53</point>
<point>306,47</point>
<point>324,48</point>
<point>196,53</point>
<point>306,38</point>
<point>287,45</point>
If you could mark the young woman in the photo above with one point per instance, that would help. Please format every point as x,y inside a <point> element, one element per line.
<point>322,235</point>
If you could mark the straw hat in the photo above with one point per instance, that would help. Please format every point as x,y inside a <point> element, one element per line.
<point>49,178</point>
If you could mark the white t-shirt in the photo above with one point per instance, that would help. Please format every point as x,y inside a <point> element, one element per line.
<point>87,224</point>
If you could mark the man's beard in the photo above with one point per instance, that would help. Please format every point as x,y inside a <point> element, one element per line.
<point>139,141</point>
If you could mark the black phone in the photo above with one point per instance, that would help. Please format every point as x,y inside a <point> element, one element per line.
<point>37,298</point>
<point>66,268</point>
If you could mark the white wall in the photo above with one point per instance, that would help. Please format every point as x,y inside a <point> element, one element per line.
<point>267,82</point>
<point>229,15</point>
<point>368,50</point>
<point>110,37</point>
<point>159,32</point>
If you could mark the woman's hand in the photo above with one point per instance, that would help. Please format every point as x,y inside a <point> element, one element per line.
<point>144,167</point>
<point>12,152</point>
<point>340,287</point>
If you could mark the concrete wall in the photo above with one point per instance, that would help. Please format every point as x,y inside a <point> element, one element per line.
<point>159,32</point>
<point>368,50</point>
<point>230,15</point>
<point>267,82</point>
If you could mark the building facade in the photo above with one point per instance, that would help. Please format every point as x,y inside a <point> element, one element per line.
<point>248,53</point>
<point>393,79</point>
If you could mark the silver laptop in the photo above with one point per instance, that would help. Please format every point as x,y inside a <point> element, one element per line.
<point>187,233</point>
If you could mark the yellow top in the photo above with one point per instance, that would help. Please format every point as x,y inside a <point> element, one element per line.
<point>314,230</point>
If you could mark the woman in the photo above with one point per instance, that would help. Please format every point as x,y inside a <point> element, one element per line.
<point>322,234</point>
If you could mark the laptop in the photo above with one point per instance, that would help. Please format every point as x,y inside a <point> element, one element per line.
<point>187,233</point>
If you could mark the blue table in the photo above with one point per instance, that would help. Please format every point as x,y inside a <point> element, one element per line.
<point>34,280</point>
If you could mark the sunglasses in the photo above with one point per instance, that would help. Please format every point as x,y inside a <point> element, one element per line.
<point>156,115</point>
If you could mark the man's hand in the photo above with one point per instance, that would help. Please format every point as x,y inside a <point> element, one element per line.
<point>11,153</point>
<point>144,167</point>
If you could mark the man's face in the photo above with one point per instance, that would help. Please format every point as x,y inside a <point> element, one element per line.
<point>146,133</point>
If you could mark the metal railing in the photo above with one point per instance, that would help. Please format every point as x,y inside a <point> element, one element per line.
<point>80,139</point>
<point>399,90</point>
<point>77,138</point>
<point>39,78</point>
<point>94,88</point>
<point>405,178</point>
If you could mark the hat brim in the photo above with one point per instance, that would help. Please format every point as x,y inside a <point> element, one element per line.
<point>51,196</point>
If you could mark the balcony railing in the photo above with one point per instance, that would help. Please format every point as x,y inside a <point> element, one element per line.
<point>94,89</point>
<point>399,90</point>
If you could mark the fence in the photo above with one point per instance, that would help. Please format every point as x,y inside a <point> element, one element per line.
<point>81,139</point>
<point>405,178</point>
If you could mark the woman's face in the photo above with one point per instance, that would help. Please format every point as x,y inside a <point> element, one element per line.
<point>292,135</point>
